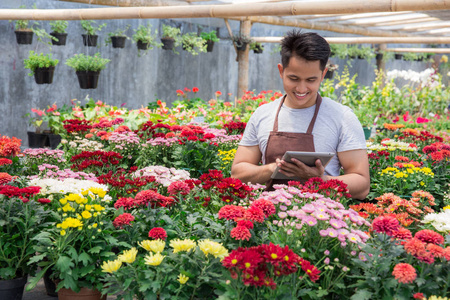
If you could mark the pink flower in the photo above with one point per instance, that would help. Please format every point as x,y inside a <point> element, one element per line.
<point>404,273</point>
<point>429,236</point>
<point>385,224</point>
<point>122,220</point>
<point>254,214</point>
<point>266,206</point>
<point>241,233</point>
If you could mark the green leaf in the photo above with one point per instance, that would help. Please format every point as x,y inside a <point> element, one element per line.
<point>361,295</point>
<point>64,264</point>
<point>85,258</point>
<point>34,280</point>
<point>96,249</point>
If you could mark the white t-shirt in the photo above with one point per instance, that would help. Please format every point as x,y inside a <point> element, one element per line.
<point>337,129</point>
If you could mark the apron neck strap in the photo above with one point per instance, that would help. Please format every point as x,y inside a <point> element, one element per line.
<point>313,121</point>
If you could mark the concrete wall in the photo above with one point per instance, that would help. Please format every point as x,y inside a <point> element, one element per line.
<point>136,80</point>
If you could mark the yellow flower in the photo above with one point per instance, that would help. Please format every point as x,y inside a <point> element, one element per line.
<point>154,259</point>
<point>62,232</point>
<point>154,246</point>
<point>128,256</point>
<point>446,207</point>
<point>213,248</point>
<point>182,278</point>
<point>111,266</point>
<point>98,207</point>
<point>88,207</point>
<point>182,245</point>
<point>86,215</point>
<point>63,201</point>
<point>72,223</point>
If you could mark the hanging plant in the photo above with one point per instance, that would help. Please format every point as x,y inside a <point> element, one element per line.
<point>58,32</point>
<point>210,38</point>
<point>41,66</point>
<point>87,68</point>
<point>90,37</point>
<point>241,42</point>
<point>192,43</point>
<point>256,47</point>
<point>117,38</point>
<point>145,38</point>
<point>171,37</point>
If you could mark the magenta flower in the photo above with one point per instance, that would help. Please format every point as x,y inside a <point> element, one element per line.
<point>321,215</point>
<point>311,221</point>
<point>309,208</point>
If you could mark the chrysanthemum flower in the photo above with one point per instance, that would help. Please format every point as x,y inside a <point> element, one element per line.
<point>231,212</point>
<point>182,278</point>
<point>156,246</point>
<point>122,220</point>
<point>157,233</point>
<point>178,187</point>
<point>266,206</point>
<point>245,223</point>
<point>404,273</point>
<point>240,233</point>
<point>5,178</point>
<point>213,248</point>
<point>385,224</point>
<point>185,245</point>
<point>254,214</point>
<point>111,266</point>
<point>128,256</point>
<point>154,259</point>
<point>429,236</point>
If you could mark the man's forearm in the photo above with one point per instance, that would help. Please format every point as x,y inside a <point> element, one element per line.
<point>358,185</point>
<point>248,172</point>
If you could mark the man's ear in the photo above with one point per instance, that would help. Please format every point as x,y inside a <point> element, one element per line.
<point>324,73</point>
<point>280,68</point>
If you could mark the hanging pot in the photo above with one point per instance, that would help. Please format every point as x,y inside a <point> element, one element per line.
<point>329,74</point>
<point>24,37</point>
<point>90,40</point>
<point>398,56</point>
<point>258,49</point>
<point>209,46</point>
<point>241,46</point>
<point>118,41</point>
<point>379,56</point>
<point>44,75</point>
<point>88,79</point>
<point>168,43</point>
<point>61,38</point>
<point>12,289</point>
<point>37,140</point>
<point>143,46</point>
<point>83,294</point>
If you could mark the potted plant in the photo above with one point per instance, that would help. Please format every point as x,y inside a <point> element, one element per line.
<point>41,66</point>
<point>59,32</point>
<point>192,43</point>
<point>241,42</point>
<point>87,68</point>
<point>118,38</point>
<point>22,217</point>
<point>256,47</point>
<point>366,53</point>
<point>36,138</point>
<point>398,56</point>
<point>145,38</point>
<point>410,56</point>
<point>352,51</point>
<point>90,37</point>
<point>24,34</point>
<point>366,117</point>
<point>171,37</point>
<point>210,38</point>
<point>339,50</point>
<point>330,70</point>
<point>77,242</point>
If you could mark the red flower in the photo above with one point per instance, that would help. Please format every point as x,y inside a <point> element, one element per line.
<point>157,233</point>
<point>245,223</point>
<point>240,233</point>
<point>178,187</point>
<point>122,220</point>
<point>254,214</point>
<point>266,206</point>
<point>419,296</point>
<point>385,224</point>
<point>5,161</point>
<point>44,200</point>
<point>429,236</point>
<point>5,178</point>
<point>125,202</point>
<point>402,234</point>
<point>231,212</point>
<point>414,247</point>
<point>195,89</point>
<point>218,93</point>
<point>310,270</point>
<point>404,273</point>
<point>435,250</point>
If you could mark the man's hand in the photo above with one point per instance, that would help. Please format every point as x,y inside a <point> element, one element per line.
<point>299,169</point>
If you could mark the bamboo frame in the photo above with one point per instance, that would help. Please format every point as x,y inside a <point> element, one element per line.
<point>369,40</point>
<point>402,22</point>
<point>131,3</point>
<point>226,11</point>
<point>243,61</point>
<point>420,50</point>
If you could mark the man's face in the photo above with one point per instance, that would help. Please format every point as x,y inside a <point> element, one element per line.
<point>301,82</point>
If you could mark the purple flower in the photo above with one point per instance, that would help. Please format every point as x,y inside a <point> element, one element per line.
<point>326,261</point>
<point>362,256</point>
<point>326,252</point>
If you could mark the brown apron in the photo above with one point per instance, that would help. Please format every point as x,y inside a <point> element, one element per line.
<point>279,142</point>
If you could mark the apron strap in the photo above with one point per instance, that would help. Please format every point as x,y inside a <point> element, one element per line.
<point>275,124</point>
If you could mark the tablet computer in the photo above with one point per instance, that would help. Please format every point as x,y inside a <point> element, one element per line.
<point>308,158</point>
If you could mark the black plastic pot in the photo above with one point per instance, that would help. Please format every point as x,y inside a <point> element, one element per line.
<point>50,286</point>
<point>12,289</point>
<point>44,75</point>
<point>259,49</point>
<point>54,140</point>
<point>118,41</point>
<point>37,140</point>
<point>168,43</point>
<point>209,46</point>
<point>24,37</point>
<point>398,56</point>
<point>360,57</point>
<point>379,56</point>
<point>241,46</point>
<point>329,74</point>
<point>88,79</point>
<point>90,40</point>
<point>61,38</point>
<point>143,46</point>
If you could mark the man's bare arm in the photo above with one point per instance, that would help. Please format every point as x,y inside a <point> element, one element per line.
<point>246,166</point>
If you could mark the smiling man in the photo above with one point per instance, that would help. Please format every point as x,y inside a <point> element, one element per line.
<point>302,120</point>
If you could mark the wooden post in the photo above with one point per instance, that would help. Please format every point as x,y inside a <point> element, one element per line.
<point>243,60</point>
<point>381,63</point>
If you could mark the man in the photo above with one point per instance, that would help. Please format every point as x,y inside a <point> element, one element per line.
<point>303,121</point>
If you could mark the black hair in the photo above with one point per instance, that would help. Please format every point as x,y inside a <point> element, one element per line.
<point>308,45</point>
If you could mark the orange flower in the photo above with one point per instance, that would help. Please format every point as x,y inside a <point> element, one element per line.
<point>393,126</point>
<point>404,273</point>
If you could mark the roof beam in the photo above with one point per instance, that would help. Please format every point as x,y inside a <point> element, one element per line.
<point>419,50</point>
<point>225,11</point>
<point>402,22</point>
<point>370,40</point>
<point>132,3</point>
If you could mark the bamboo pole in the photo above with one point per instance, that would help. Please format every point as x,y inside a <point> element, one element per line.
<point>369,40</point>
<point>131,3</point>
<point>420,50</point>
<point>243,62</point>
<point>324,26</point>
<point>231,36</point>
<point>402,22</point>
<point>226,11</point>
